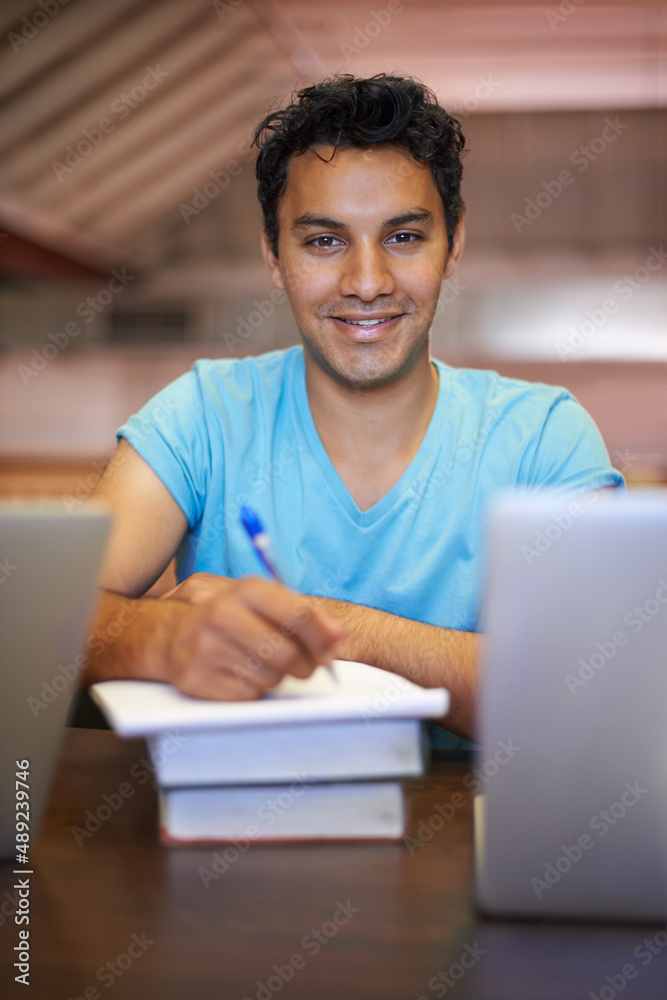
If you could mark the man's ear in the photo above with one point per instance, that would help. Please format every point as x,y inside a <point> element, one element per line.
<point>271,261</point>
<point>454,255</point>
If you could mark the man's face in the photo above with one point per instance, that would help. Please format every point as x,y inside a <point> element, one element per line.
<point>362,255</point>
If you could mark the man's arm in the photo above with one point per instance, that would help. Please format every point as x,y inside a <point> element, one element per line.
<point>429,655</point>
<point>235,644</point>
<point>148,525</point>
<point>425,654</point>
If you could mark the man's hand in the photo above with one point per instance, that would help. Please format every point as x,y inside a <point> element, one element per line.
<point>218,638</point>
<point>198,588</point>
<point>242,636</point>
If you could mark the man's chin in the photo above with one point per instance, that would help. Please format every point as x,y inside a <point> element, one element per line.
<point>372,368</point>
<point>362,375</point>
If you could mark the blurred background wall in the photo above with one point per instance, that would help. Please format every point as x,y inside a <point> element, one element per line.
<point>129,228</point>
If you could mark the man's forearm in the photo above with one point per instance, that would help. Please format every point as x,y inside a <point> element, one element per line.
<point>425,654</point>
<point>214,638</point>
<point>126,637</point>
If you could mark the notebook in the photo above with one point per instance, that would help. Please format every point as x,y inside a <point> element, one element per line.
<point>361,723</point>
<point>574,822</point>
<point>49,561</point>
<point>278,768</point>
<point>358,691</point>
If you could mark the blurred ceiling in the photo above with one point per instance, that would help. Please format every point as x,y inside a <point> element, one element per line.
<point>113,112</point>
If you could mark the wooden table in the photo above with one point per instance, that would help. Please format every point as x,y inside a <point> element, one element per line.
<point>119,915</point>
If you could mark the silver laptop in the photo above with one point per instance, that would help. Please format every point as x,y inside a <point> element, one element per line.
<point>49,561</point>
<point>571,819</point>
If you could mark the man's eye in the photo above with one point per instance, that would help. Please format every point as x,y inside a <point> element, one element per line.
<point>403,239</point>
<point>324,242</point>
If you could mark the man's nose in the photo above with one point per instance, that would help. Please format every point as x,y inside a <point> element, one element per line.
<point>366,273</point>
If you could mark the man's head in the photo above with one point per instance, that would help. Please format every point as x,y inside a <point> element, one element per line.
<point>359,182</point>
<point>346,112</point>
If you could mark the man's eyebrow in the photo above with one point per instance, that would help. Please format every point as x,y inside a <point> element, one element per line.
<point>309,220</point>
<point>409,217</point>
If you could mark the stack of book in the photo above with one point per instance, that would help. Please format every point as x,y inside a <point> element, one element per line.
<point>313,759</point>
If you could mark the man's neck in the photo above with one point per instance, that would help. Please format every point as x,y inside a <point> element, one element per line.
<point>372,435</point>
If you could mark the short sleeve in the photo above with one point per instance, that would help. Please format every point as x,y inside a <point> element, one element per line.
<point>570,455</point>
<point>171,434</point>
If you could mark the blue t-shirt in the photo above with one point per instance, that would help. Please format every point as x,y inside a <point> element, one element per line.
<point>232,432</point>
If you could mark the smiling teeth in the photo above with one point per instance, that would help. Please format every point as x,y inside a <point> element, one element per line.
<point>364,322</point>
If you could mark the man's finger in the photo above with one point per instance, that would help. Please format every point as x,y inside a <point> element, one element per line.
<point>261,639</point>
<point>316,632</point>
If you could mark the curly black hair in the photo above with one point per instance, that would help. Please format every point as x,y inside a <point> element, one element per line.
<point>345,111</point>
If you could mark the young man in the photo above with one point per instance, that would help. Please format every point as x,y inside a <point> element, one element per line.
<point>369,463</point>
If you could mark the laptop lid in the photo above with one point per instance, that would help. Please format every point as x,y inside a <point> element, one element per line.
<point>572,816</point>
<point>49,561</point>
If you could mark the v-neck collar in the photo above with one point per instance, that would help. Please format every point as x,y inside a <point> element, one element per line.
<point>339,490</point>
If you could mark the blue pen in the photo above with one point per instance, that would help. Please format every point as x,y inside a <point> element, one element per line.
<point>261,543</point>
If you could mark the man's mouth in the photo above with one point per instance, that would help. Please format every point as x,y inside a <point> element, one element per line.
<point>375,321</point>
<point>366,330</point>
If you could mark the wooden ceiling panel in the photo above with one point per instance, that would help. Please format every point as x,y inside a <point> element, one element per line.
<point>188,167</point>
<point>193,117</point>
<point>30,164</point>
<point>39,48</point>
<point>199,73</point>
<point>602,55</point>
<point>113,56</point>
<point>226,63</point>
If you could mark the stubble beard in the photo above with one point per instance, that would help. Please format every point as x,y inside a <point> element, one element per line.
<point>373,365</point>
